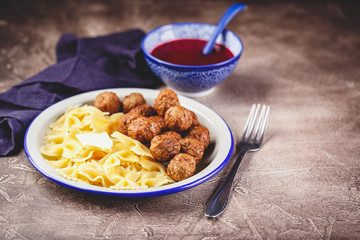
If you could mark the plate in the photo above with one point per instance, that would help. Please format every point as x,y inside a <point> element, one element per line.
<point>215,158</point>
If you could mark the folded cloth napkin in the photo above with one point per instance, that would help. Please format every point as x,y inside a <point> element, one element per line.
<point>83,64</point>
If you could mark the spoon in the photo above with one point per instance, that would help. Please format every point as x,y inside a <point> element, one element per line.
<point>228,15</point>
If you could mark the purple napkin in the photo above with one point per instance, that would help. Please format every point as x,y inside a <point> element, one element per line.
<point>83,64</point>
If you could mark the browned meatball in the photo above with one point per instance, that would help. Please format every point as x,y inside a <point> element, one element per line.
<point>132,100</point>
<point>201,133</point>
<point>108,102</point>
<point>193,147</point>
<point>165,99</point>
<point>126,120</point>
<point>164,147</point>
<point>143,129</point>
<point>178,118</point>
<point>174,134</point>
<point>139,111</point>
<point>145,110</point>
<point>181,167</point>
<point>195,119</point>
<point>160,121</point>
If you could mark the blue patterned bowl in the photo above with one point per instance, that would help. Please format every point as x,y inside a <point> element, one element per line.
<point>191,81</point>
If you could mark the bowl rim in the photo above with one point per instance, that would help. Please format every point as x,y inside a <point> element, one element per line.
<point>191,67</point>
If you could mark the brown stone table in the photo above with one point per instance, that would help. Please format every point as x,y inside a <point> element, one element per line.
<point>301,58</point>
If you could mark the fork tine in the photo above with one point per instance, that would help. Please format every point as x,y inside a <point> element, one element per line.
<point>248,122</point>
<point>253,120</point>
<point>259,122</point>
<point>264,125</point>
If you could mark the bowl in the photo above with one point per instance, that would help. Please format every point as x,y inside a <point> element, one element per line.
<point>191,80</point>
<point>215,158</point>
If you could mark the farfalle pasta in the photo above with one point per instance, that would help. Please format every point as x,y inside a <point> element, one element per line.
<point>127,164</point>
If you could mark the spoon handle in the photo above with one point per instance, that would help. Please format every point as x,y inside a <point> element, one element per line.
<point>228,15</point>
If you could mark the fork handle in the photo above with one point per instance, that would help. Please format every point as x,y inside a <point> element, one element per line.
<point>219,199</point>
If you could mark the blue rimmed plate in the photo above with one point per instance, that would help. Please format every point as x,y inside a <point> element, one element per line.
<point>216,157</point>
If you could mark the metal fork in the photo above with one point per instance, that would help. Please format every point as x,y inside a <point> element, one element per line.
<point>248,142</point>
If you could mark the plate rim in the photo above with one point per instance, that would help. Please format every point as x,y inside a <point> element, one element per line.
<point>126,193</point>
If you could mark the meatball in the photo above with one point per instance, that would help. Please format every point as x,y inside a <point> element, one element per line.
<point>160,121</point>
<point>181,167</point>
<point>108,102</point>
<point>193,147</point>
<point>145,110</point>
<point>143,129</point>
<point>164,147</point>
<point>201,133</point>
<point>178,118</point>
<point>174,134</point>
<point>165,99</point>
<point>195,119</point>
<point>126,120</point>
<point>132,100</point>
<point>139,111</point>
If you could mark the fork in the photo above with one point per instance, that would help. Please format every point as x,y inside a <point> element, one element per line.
<point>248,142</point>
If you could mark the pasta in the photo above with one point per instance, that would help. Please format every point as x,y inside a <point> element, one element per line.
<point>128,164</point>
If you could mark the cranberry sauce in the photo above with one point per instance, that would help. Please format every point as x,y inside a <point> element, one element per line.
<point>189,52</point>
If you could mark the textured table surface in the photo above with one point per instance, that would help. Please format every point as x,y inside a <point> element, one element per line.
<point>300,58</point>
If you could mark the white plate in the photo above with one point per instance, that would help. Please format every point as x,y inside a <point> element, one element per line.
<point>215,158</point>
